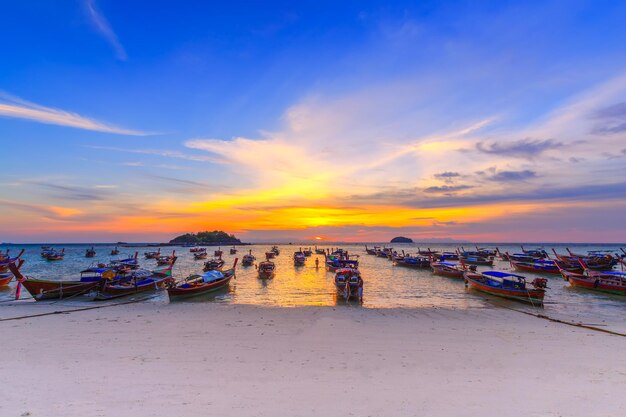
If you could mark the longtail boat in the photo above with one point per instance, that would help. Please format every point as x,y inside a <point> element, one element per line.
<point>132,262</point>
<point>367,250</point>
<point>45,250</point>
<point>4,263</point>
<point>349,283</point>
<point>384,252</point>
<point>266,269</point>
<point>275,250</point>
<point>299,258</point>
<point>198,255</point>
<point>414,262</point>
<point>140,281</point>
<point>507,285</point>
<point>115,251</point>
<point>449,256</point>
<point>233,250</point>
<point>166,259</point>
<point>248,259</point>
<point>218,253</point>
<point>539,253</point>
<point>213,264</point>
<point>55,255</point>
<point>196,284</point>
<point>472,259</point>
<point>46,289</point>
<point>427,252</point>
<point>542,266</point>
<point>6,278</point>
<point>334,263</point>
<point>307,252</point>
<point>612,282</point>
<point>593,262</point>
<point>449,269</point>
<point>90,253</point>
<point>322,251</point>
<point>270,255</point>
<point>197,249</point>
<point>152,254</point>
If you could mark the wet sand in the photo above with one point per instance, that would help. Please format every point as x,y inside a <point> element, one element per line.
<point>207,359</point>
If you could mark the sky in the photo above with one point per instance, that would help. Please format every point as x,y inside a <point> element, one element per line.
<point>488,121</point>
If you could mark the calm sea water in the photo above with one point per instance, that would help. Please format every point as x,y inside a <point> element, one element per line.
<point>386,285</point>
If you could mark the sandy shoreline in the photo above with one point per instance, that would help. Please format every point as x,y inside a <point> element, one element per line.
<point>207,359</point>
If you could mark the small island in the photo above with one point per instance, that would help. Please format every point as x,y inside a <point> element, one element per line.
<point>401,239</point>
<point>216,237</point>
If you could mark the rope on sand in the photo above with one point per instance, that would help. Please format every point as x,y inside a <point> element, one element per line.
<point>50,313</point>
<point>569,323</point>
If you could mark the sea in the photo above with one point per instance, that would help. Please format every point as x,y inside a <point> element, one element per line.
<point>385,285</point>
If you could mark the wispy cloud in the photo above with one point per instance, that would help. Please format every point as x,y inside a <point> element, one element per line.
<point>17,108</point>
<point>166,153</point>
<point>101,24</point>
<point>524,148</point>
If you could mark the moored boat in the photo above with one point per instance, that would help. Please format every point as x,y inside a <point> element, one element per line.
<point>233,250</point>
<point>266,269</point>
<point>200,255</point>
<point>414,262</point>
<point>319,251</point>
<point>195,285</point>
<point>248,259</point>
<point>299,258</point>
<point>6,260</point>
<point>115,251</point>
<point>507,285</point>
<point>152,254</point>
<point>369,251</point>
<point>139,281</point>
<point>55,255</point>
<point>275,250</point>
<point>449,269</point>
<point>349,283</point>
<point>213,264</point>
<point>610,281</point>
<point>166,259</point>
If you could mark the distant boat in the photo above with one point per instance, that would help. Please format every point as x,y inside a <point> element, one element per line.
<point>233,250</point>
<point>218,252</point>
<point>213,264</point>
<point>319,251</point>
<point>248,259</point>
<point>90,253</point>
<point>299,258</point>
<point>115,251</point>
<point>275,250</point>
<point>153,254</point>
<point>449,269</point>
<point>198,255</point>
<point>141,281</point>
<point>373,251</point>
<point>166,259</point>
<point>507,285</point>
<point>55,255</point>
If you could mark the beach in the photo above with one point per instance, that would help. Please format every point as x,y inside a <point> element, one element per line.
<point>211,359</point>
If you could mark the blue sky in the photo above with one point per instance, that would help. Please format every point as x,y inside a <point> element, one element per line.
<point>135,121</point>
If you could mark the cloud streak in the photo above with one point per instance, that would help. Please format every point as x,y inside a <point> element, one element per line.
<point>17,108</point>
<point>101,24</point>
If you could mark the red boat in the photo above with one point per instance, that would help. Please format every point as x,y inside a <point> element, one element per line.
<point>137,282</point>
<point>46,289</point>
<point>511,286</point>
<point>537,266</point>
<point>612,282</point>
<point>349,283</point>
<point>6,278</point>
<point>202,284</point>
<point>450,270</point>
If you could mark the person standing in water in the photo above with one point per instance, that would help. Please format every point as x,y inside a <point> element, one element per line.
<point>317,263</point>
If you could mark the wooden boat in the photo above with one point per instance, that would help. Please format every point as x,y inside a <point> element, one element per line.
<point>55,255</point>
<point>132,262</point>
<point>7,277</point>
<point>307,252</point>
<point>233,250</point>
<point>612,282</point>
<point>472,259</point>
<point>198,255</point>
<point>275,250</point>
<point>218,253</point>
<point>349,283</point>
<point>448,256</point>
<point>213,264</point>
<point>166,260</point>
<point>197,249</point>
<point>4,263</point>
<point>115,251</point>
<point>152,255</point>
<point>369,251</point>
<point>540,266</point>
<point>266,269</point>
<point>384,252</point>
<point>598,263</point>
<point>270,255</point>
<point>414,262</point>
<point>299,258</point>
<point>427,253</point>
<point>46,289</point>
<point>45,250</point>
<point>321,251</point>
<point>538,253</point>
<point>90,253</point>
<point>248,259</point>
<point>507,285</point>
<point>195,285</point>
<point>140,281</point>
<point>334,262</point>
<point>450,270</point>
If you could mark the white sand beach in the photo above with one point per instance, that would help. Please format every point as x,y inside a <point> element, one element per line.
<point>206,359</point>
